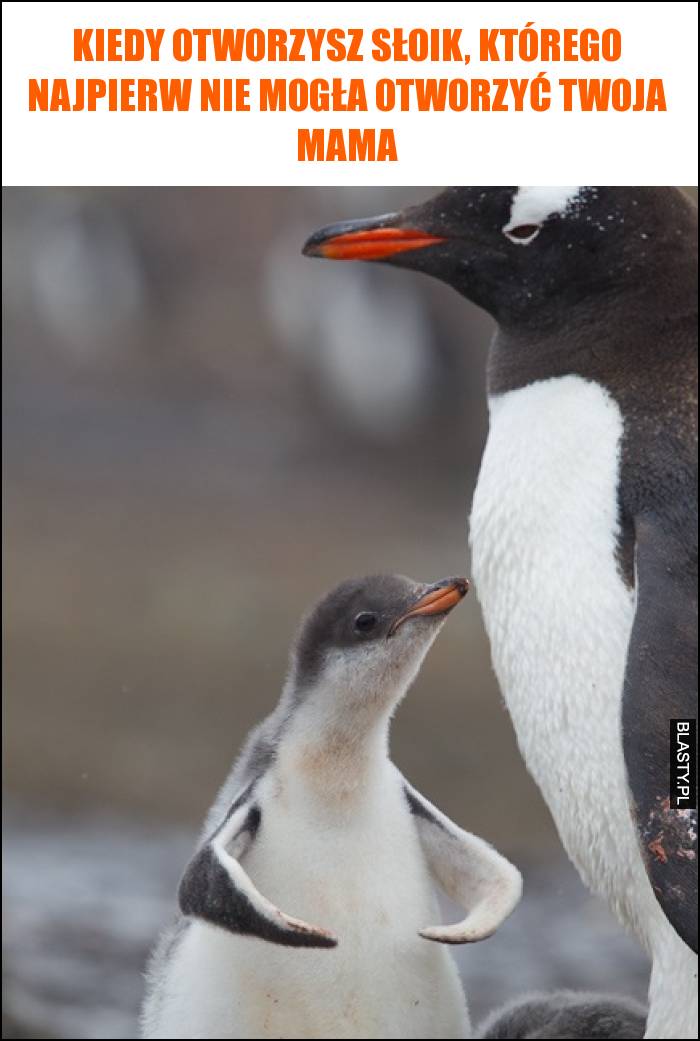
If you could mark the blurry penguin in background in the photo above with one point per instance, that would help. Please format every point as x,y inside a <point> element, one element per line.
<point>566,1014</point>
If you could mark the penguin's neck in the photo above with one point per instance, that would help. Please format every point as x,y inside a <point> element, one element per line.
<point>333,752</point>
<point>608,338</point>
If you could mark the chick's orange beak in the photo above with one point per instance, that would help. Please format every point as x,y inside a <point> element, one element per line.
<point>440,599</point>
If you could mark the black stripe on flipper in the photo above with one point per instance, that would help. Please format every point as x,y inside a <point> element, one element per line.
<point>419,809</point>
<point>252,822</point>
<point>207,892</point>
<point>236,805</point>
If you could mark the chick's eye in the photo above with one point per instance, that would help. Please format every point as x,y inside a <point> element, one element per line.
<point>522,233</point>
<point>365,622</point>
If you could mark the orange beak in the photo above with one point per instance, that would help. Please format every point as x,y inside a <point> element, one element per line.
<point>440,599</point>
<point>373,239</point>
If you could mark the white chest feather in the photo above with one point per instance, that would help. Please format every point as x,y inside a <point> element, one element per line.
<point>544,528</point>
<point>543,531</point>
<point>358,871</point>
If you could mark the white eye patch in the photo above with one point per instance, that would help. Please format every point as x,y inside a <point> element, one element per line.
<point>522,234</point>
<point>532,206</point>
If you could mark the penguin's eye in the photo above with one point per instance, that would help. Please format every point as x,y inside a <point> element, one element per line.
<point>523,234</point>
<point>365,622</point>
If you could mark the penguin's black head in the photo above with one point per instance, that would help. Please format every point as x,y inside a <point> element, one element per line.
<point>369,628</point>
<point>519,252</point>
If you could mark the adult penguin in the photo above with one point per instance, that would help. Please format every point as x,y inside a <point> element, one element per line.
<point>584,521</point>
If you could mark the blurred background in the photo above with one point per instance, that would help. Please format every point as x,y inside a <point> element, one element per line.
<point>204,431</point>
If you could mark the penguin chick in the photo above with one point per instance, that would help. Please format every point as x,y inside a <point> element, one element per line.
<point>306,910</point>
<point>567,1014</point>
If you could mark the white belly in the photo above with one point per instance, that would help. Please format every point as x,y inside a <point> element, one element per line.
<point>559,616</point>
<point>543,530</point>
<point>364,878</point>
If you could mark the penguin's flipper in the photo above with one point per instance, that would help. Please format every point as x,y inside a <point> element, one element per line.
<point>470,871</point>
<point>216,889</point>
<point>661,683</point>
